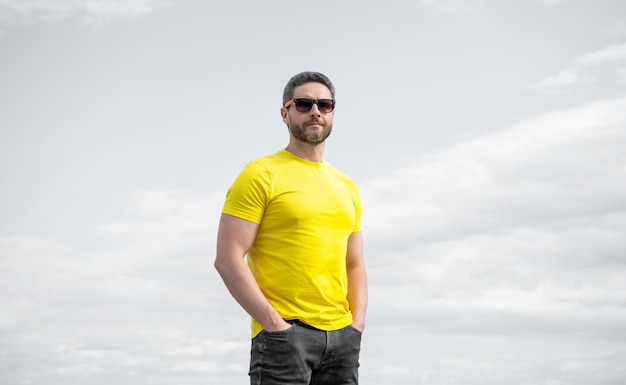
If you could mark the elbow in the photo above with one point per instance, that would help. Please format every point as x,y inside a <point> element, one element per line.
<point>219,265</point>
<point>224,264</point>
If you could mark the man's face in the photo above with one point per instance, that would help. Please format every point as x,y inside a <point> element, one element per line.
<point>312,127</point>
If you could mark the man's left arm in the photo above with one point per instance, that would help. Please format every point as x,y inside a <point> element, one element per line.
<point>357,280</point>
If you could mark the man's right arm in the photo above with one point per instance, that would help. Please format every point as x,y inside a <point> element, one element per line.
<point>235,236</point>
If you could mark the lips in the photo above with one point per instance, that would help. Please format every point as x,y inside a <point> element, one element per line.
<point>314,123</point>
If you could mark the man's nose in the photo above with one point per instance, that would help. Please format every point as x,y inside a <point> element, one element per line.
<point>315,110</point>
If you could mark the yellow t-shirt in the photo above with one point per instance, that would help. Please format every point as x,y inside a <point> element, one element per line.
<point>305,211</point>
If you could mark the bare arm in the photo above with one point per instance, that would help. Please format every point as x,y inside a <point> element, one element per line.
<point>235,236</point>
<point>357,280</point>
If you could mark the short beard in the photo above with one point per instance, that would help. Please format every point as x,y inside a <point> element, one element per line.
<point>300,133</point>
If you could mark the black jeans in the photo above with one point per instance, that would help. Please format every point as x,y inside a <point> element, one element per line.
<point>304,355</point>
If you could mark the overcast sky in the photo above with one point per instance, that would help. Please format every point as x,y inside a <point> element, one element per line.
<point>488,139</point>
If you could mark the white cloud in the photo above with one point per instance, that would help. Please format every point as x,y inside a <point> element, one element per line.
<point>139,304</point>
<point>608,55</point>
<point>564,78</point>
<point>519,229</point>
<point>31,245</point>
<point>533,162</point>
<point>447,5</point>
<point>167,221</point>
<point>514,241</point>
<point>92,11</point>
<point>586,68</point>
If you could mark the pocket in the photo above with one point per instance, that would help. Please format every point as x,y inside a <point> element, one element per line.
<point>279,345</point>
<point>278,332</point>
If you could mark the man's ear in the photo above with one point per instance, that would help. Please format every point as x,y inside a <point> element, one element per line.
<point>284,115</point>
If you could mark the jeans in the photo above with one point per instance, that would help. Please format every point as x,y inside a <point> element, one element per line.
<point>304,355</point>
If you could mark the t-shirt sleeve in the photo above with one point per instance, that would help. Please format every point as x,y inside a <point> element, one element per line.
<point>248,196</point>
<point>358,209</point>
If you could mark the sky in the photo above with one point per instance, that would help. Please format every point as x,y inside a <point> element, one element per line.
<point>487,138</point>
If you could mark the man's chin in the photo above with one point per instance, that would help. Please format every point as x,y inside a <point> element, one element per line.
<point>318,139</point>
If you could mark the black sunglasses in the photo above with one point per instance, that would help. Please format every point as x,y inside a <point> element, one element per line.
<point>304,105</point>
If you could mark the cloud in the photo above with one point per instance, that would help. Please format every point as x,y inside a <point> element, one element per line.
<point>563,79</point>
<point>584,69</point>
<point>615,53</point>
<point>519,230</point>
<point>533,162</point>
<point>447,5</point>
<point>512,241</point>
<point>16,12</point>
<point>134,302</point>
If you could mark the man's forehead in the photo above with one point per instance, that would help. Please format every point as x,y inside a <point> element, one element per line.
<point>312,87</point>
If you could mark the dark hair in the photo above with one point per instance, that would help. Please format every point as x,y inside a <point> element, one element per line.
<point>306,77</point>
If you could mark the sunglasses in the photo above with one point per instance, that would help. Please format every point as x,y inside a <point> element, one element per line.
<point>304,105</point>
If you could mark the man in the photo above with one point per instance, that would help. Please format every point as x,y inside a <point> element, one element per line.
<point>298,220</point>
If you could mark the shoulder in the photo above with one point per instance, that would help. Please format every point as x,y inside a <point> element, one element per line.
<point>261,166</point>
<point>268,162</point>
<point>339,175</point>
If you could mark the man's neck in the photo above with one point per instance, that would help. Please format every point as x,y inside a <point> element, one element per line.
<point>306,151</point>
